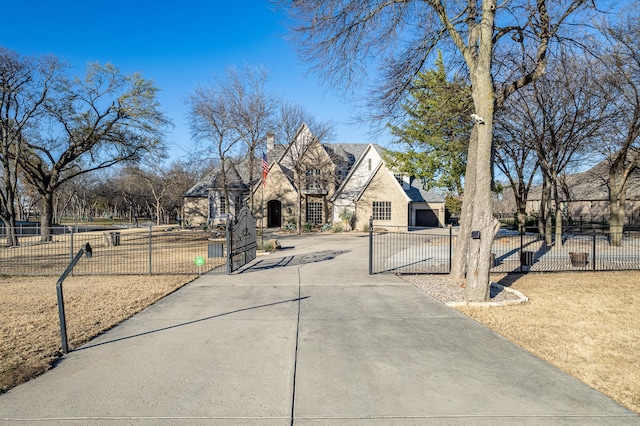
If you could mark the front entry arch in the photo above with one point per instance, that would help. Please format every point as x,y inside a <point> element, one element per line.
<point>274,214</point>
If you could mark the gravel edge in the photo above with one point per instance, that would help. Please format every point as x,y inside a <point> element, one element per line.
<point>452,293</point>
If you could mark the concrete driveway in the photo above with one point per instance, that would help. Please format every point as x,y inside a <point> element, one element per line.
<point>305,336</point>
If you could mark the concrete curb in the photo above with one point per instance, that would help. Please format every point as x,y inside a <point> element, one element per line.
<point>521,299</point>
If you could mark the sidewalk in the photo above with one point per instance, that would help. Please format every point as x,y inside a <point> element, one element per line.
<point>305,336</point>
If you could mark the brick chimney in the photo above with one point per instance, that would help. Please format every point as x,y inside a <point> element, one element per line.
<point>270,141</point>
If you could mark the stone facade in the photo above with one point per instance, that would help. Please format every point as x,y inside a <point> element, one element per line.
<point>311,182</point>
<point>382,187</point>
<point>195,210</point>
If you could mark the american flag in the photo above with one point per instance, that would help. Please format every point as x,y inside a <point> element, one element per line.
<point>265,169</point>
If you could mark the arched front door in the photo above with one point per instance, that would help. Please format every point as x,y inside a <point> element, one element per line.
<point>274,214</point>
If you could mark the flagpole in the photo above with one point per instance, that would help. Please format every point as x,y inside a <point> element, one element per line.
<point>265,169</point>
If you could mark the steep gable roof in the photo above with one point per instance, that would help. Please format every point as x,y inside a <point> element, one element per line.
<point>353,169</point>
<point>294,148</point>
<point>381,167</point>
<point>213,180</point>
<point>272,168</point>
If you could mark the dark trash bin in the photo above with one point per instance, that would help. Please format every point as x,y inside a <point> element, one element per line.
<point>526,258</point>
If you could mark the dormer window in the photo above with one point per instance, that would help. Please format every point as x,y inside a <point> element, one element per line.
<point>314,180</point>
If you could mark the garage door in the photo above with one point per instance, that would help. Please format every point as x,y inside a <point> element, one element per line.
<point>427,217</point>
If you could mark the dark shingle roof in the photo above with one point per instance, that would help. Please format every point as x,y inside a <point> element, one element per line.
<point>213,180</point>
<point>347,152</point>
<point>417,193</point>
<point>202,186</point>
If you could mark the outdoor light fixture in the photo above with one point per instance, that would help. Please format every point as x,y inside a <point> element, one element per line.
<point>477,119</point>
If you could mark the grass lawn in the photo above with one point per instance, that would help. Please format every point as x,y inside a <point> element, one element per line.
<point>587,324</point>
<point>29,324</point>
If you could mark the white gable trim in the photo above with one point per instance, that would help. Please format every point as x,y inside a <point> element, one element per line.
<point>397,184</point>
<point>352,171</point>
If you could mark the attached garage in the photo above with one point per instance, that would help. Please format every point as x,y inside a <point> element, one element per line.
<point>426,208</point>
<point>427,218</point>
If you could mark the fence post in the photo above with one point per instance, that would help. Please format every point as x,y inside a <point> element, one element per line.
<point>594,249</point>
<point>450,246</point>
<point>150,251</point>
<point>229,248</point>
<point>371,245</point>
<point>71,242</point>
<point>521,245</point>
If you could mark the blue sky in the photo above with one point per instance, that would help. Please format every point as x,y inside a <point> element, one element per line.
<point>176,44</point>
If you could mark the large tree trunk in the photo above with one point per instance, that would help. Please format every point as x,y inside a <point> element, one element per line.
<point>521,213</point>
<point>483,225</point>
<point>548,212</point>
<point>617,196</point>
<point>47,216</point>
<point>9,201</point>
<point>460,255</point>
<point>543,207</point>
<point>9,215</point>
<point>558,214</point>
<point>617,214</point>
<point>10,226</point>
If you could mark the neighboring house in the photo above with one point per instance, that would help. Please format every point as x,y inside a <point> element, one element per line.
<point>582,195</point>
<point>325,179</point>
<point>205,203</point>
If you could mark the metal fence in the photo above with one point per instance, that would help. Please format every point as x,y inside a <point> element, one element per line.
<point>124,251</point>
<point>429,251</point>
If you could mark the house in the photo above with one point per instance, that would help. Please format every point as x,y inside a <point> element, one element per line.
<point>205,203</point>
<point>316,182</point>
<point>303,175</point>
<point>330,178</point>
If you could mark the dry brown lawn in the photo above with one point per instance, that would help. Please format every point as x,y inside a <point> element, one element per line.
<point>30,328</point>
<point>587,324</point>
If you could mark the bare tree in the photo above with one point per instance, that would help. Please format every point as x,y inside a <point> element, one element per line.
<point>102,120</point>
<point>290,117</point>
<point>563,119</point>
<point>155,185</point>
<point>549,125</point>
<point>180,176</point>
<point>253,113</point>
<point>344,38</point>
<point>621,86</point>
<point>25,85</point>
<point>213,121</point>
<point>515,158</point>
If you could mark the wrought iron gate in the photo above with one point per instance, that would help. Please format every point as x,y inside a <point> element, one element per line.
<point>241,240</point>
